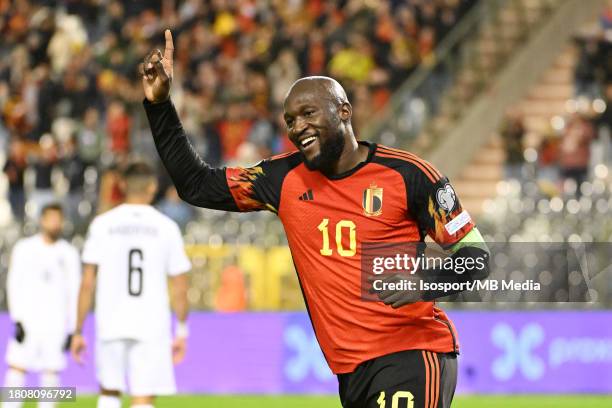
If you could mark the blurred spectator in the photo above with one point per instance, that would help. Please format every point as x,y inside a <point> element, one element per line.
<point>548,158</point>
<point>315,54</point>
<point>44,164</point>
<point>575,149</point>
<point>47,97</point>
<point>594,66</point>
<point>605,119</point>
<point>69,39</point>
<point>90,137</point>
<point>604,128</point>
<point>282,73</point>
<point>73,168</point>
<point>110,193</point>
<point>231,295</point>
<point>606,18</point>
<point>14,168</point>
<point>118,128</point>
<point>513,135</point>
<point>587,67</point>
<point>354,62</point>
<point>234,129</point>
<point>175,208</point>
<point>262,136</point>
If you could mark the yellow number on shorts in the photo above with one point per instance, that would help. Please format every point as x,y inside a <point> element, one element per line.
<point>403,394</point>
<point>381,400</point>
<point>396,399</point>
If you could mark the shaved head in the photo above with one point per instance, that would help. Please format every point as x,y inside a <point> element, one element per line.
<point>322,86</point>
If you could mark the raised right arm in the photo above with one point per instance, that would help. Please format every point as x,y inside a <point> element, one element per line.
<point>196,182</point>
<point>231,189</point>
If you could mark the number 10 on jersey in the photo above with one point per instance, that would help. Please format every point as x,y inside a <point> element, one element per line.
<point>342,226</point>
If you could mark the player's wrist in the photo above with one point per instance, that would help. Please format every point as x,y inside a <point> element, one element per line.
<point>157,101</point>
<point>181,330</point>
<point>161,99</point>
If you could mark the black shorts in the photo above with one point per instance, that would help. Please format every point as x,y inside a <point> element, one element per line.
<point>408,379</point>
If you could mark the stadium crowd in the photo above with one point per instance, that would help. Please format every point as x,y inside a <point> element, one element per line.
<point>70,94</point>
<point>579,141</point>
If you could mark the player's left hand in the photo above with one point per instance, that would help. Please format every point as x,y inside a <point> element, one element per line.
<point>179,348</point>
<point>78,347</point>
<point>397,298</point>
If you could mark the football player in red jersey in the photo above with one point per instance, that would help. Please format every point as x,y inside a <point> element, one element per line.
<point>333,195</point>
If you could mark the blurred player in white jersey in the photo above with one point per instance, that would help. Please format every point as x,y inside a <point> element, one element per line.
<point>42,283</point>
<point>130,254</point>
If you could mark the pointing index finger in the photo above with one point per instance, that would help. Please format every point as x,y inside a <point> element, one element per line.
<point>169,50</point>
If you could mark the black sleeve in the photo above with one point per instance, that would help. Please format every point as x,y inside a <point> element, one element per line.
<point>196,182</point>
<point>433,204</point>
<point>230,189</point>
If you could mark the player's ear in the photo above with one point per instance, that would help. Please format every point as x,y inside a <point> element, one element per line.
<point>122,185</point>
<point>152,189</point>
<point>346,111</point>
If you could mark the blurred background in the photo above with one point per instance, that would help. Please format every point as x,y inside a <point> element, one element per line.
<point>509,98</point>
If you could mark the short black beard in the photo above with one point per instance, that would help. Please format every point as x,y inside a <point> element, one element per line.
<point>53,236</point>
<point>329,155</point>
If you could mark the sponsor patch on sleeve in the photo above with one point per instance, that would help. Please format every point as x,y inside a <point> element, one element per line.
<point>458,222</point>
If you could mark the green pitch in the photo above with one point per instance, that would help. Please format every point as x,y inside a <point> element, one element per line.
<point>196,401</point>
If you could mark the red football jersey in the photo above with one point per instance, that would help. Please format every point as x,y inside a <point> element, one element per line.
<point>393,196</point>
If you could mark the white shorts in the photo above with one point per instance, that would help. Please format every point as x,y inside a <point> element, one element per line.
<point>37,353</point>
<point>146,364</point>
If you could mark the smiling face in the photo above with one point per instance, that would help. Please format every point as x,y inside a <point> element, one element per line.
<point>316,114</point>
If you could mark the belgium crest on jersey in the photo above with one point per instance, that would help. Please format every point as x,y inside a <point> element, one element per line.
<point>372,200</point>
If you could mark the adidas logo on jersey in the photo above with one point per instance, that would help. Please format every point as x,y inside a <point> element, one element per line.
<point>307,196</point>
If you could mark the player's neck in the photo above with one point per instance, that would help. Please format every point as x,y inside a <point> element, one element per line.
<point>351,156</point>
<point>137,199</point>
